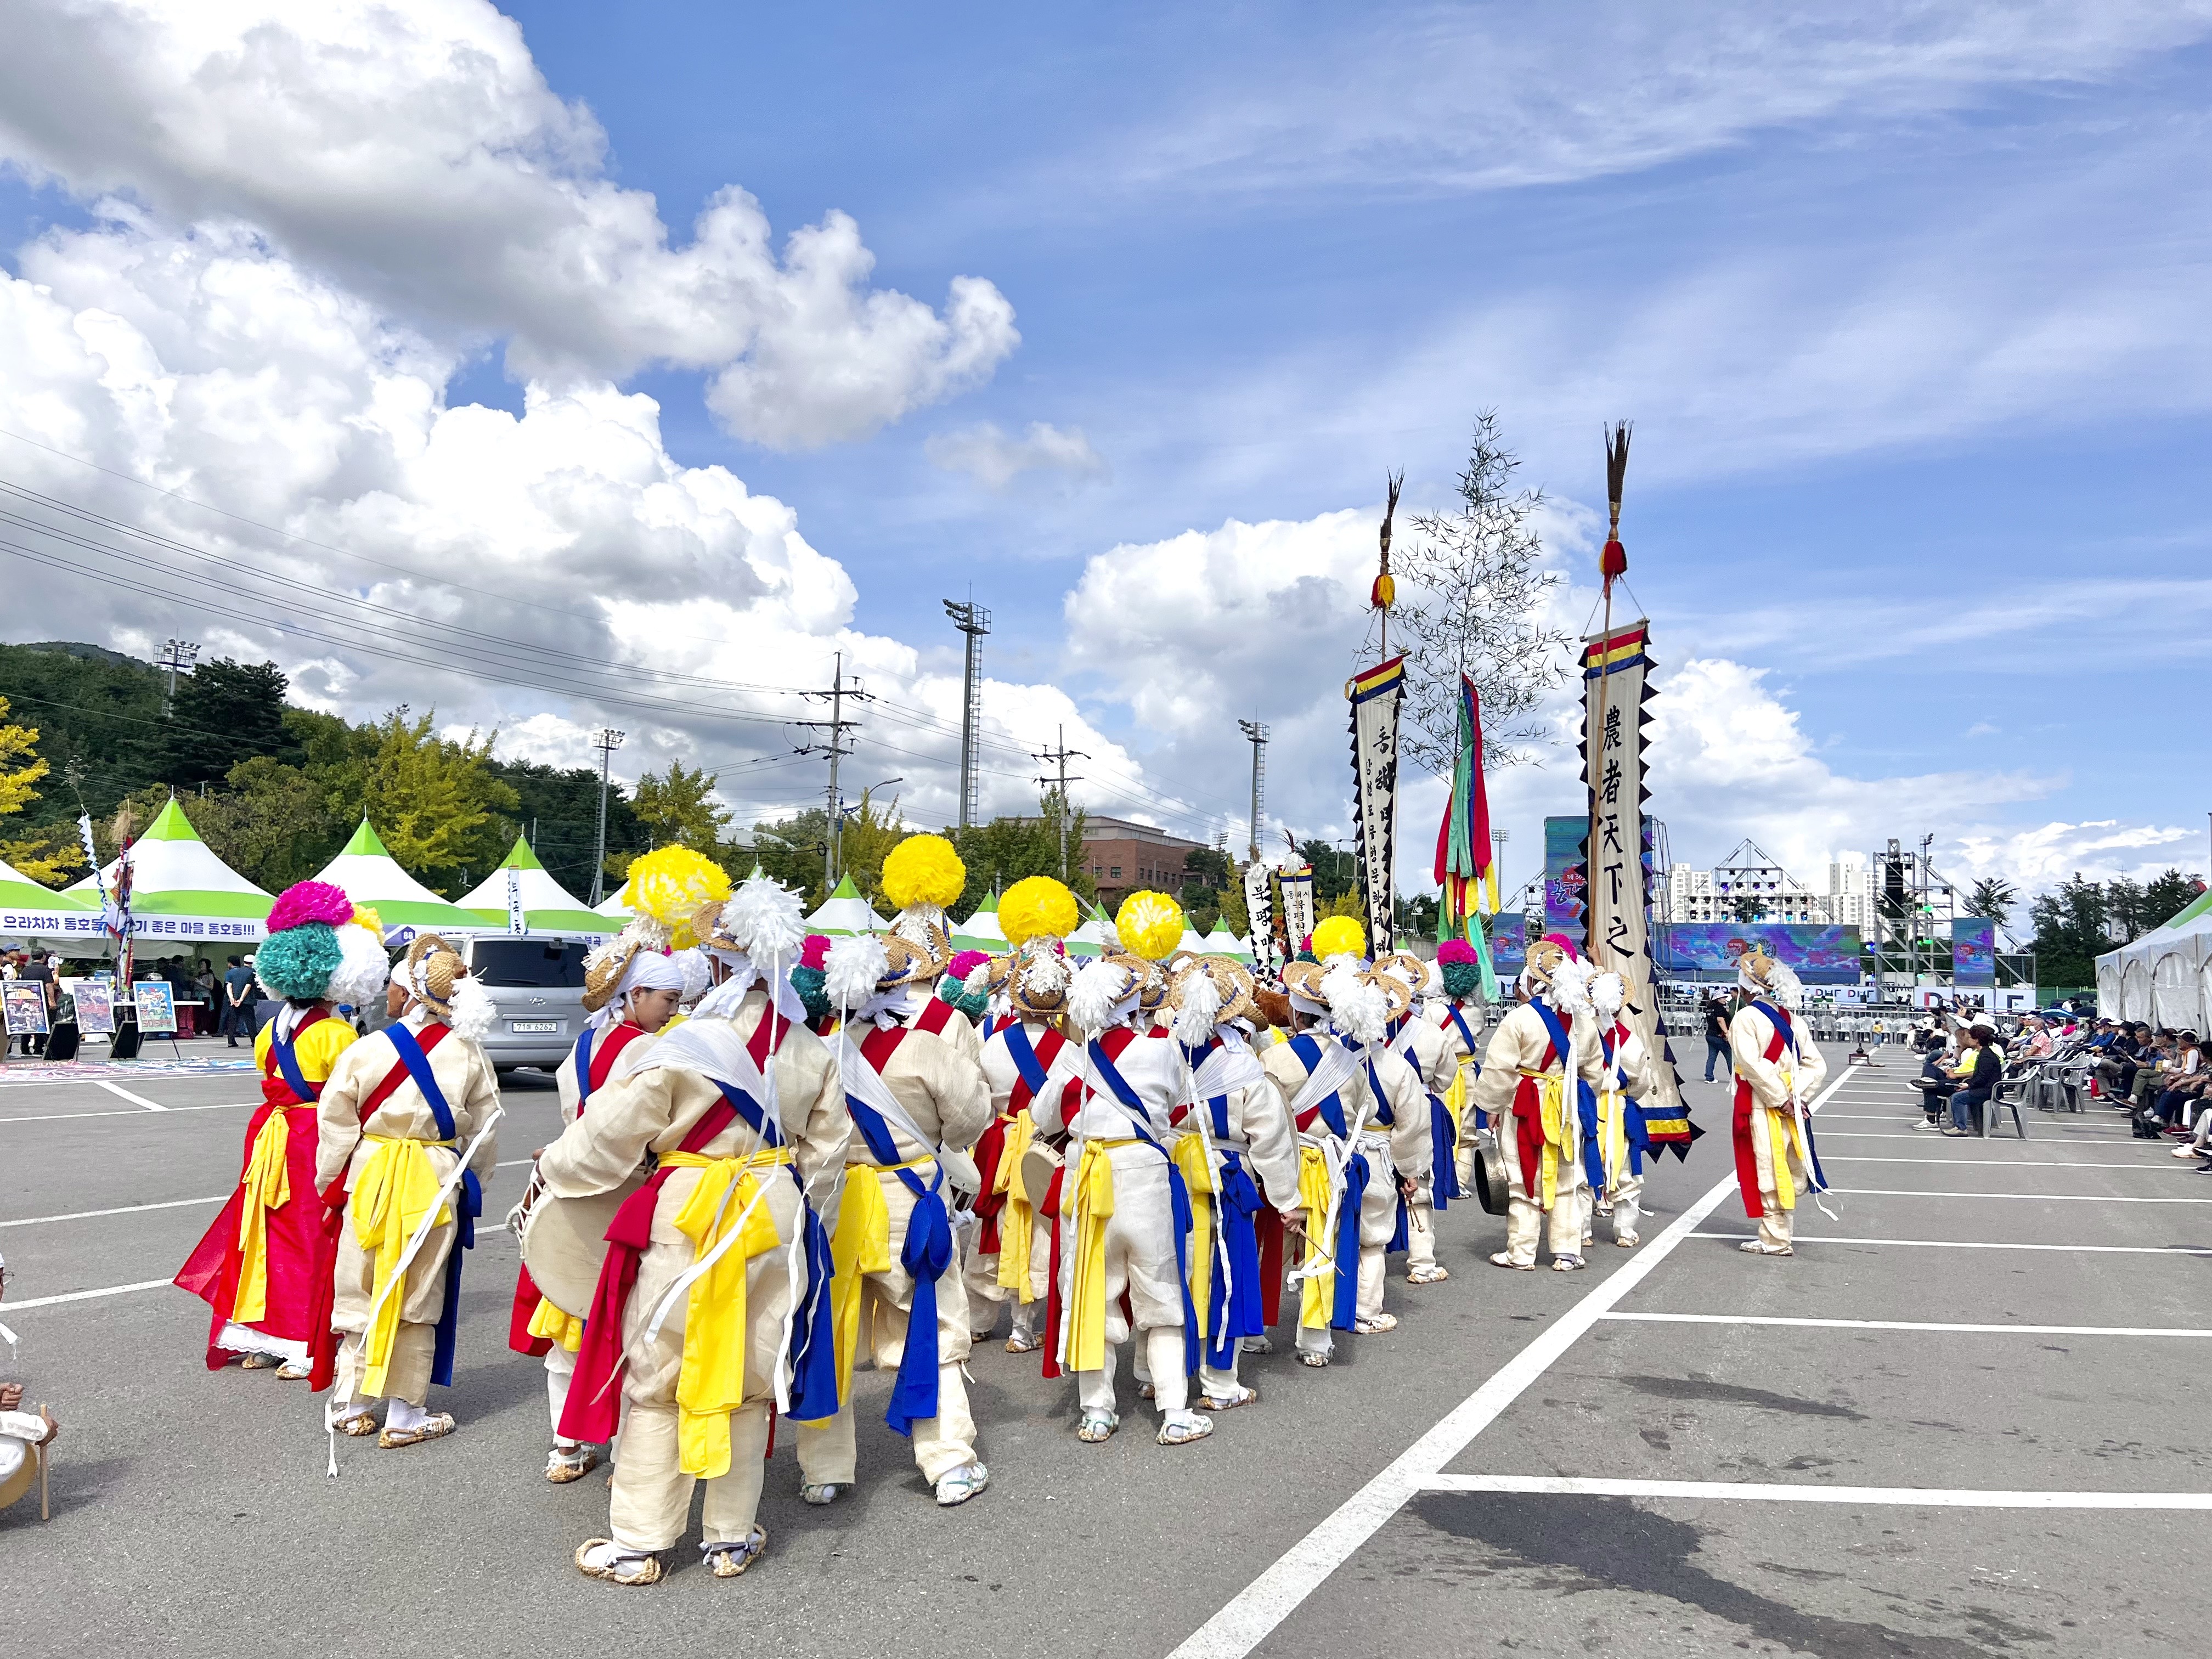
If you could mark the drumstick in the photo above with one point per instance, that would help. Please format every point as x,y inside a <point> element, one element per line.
<point>46,1466</point>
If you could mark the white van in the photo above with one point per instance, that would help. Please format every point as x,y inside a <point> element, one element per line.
<point>538,981</point>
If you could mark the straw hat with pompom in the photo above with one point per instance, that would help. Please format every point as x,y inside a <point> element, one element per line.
<point>670,884</point>
<point>1150,925</point>
<point>1338,936</point>
<point>1036,907</point>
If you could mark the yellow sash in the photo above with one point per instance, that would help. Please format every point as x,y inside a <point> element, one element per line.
<point>268,1184</point>
<point>862,1246</point>
<point>1198,1178</point>
<point>1778,1125</point>
<point>1455,1097</point>
<point>1086,1297</point>
<point>1317,1291</point>
<point>398,1186</point>
<point>712,1383</point>
<point>1016,1220</point>
<point>1552,1101</point>
<point>548,1320</point>
<point>1612,1136</point>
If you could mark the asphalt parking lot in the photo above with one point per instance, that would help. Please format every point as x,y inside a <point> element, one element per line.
<point>1962,1421</point>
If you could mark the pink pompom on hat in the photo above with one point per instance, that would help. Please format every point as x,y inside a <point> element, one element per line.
<point>1565,944</point>
<point>1455,950</point>
<point>309,901</point>
<point>814,951</point>
<point>966,963</point>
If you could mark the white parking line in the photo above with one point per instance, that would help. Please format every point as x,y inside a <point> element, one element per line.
<point>1977,1245</point>
<point>1253,1613</point>
<point>122,1093</point>
<point>2054,1198</point>
<point>58,1117</point>
<point>1904,1325</point>
<point>86,1296</point>
<point>121,1209</point>
<point>1910,1496</point>
<point>2167,1168</point>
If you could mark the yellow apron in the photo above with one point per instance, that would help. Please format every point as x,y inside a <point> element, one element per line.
<point>712,1383</point>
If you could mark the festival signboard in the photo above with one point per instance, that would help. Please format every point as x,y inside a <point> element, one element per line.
<point>1565,889</point>
<point>157,1007</point>
<point>95,1005</point>
<point>1375,695</point>
<point>26,1003</point>
<point>1973,951</point>
<point>1819,954</point>
<point>1509,944</point>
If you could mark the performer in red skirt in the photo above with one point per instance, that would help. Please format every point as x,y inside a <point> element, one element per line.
<point>255,1266</point>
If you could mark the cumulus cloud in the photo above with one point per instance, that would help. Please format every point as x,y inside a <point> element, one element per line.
<point>417,155</point>
<point>994,459</point>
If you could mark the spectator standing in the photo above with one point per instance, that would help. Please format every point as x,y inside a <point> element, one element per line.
<point>1717,1037</point>
<point>237,985</point>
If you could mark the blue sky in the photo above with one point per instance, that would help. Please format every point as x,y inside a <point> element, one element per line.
<point>1907,302</point>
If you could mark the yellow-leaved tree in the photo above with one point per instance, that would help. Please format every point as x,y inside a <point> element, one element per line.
<point>47,858</point>
<point>432,801</point>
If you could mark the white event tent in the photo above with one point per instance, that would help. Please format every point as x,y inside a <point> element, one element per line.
<point>180,891</point>
<point>373,880</point>
<point>31,914</point>
<point>2164,978</point>
<point>846,912</point>
<point>547,907</point>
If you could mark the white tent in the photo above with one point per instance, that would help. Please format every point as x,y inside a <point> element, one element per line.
<point>1193,941</point>
<point>181,891</point>
<point>616,904</point>
<point>1088,940</point>
<point>982,930</point>
<point>29,911</point>
<point>1223,943</point>
<point>373,880</point>
<point>2161,977</point>
<point>547,907</point>
<point>846,912</point>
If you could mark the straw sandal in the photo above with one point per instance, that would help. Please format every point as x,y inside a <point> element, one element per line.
<point>615,1566</point>
<point>1095,1427</point>
<point>730,1561</point>
<point>436,1426</point>
<point>1380,1324</point>
<point>1427,1273</point>
<point>1501,1260</point>
<point>1183,1428</point>
<point>567,1463</point>
<point>1243,1396</point>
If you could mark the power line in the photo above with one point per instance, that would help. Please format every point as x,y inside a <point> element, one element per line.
<point>1059,756</point>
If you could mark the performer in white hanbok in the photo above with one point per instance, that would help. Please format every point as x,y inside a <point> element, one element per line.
<point>1778,1070</point>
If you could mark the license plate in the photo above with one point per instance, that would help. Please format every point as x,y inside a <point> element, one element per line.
<point>533,1027</point>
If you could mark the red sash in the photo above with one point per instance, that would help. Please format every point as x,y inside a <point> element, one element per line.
<point>604,1052</point>
<point>1528,1115</point>
<point>933,1015</point>
<point>1746,1157</point>
<point>594,1406</point>
<point>323,1347</point>
<point>992,1144</point>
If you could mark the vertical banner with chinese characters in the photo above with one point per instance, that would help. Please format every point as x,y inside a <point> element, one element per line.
<point>1375,694</point>
<point>1616,913</point>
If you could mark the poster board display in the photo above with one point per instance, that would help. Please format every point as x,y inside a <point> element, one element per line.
<point>157,1007</point>
<point>26,1004</point>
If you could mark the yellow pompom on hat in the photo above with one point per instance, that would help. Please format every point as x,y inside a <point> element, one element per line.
<point>1150,925</point>
<point>1036,907</point>
<point>1338,936</point>
<point>670,885</point>
<point>924,870</point>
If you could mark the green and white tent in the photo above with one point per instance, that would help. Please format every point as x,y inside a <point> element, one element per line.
<point>29,911</point>
<point>180,891</point>
<point>1223,943</point>
<point>982,930</point>
<point>846,912</point>
<point>1089,939</point>
<point>547,907</point>
<point>373,880</point>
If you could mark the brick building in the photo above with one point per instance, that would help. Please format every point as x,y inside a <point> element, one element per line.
<point>1124,856</point>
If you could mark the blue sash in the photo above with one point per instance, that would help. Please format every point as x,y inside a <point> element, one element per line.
<point>1020,1050</point>
<point>814,1327</point>
<point>468,1200</point>
<point>926,1254</point>
<point>1444,1166</point>
<point>1179,1194</point>
<point>1237,1310</point>
<point>287,1062</point>
<point>583,1056</point>
<point>1308,1049</point>
<point>1345,1311</point>
<point>1464,1035</point>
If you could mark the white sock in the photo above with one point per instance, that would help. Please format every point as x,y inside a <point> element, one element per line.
<point>402,1417</point>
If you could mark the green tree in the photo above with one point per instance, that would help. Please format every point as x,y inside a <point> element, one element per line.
<point>1005,850</point>
<point>224,712</point>
<point>1992,897</point>
<point>558,808</point>
<point>272,824</point>
<point>790,850</point>
<point>437,804</point>
<point>865,840</point>
<point>679,807</point>
<point>98,714</point>
<point>1335,871</point>
<point>2135,907</point>
<point>40,857</point>
<point>2070,932</point>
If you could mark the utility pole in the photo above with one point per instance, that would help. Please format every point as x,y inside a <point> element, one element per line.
<point>1060,756</point>
<point>836,748</point>
<point>1257,733</point>
<point>176,655</point>
<point>973,620</point>
<point>606,743</point>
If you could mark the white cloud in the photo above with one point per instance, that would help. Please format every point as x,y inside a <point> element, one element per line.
<point>1467,98</point>
<point>994,459</point>
<point>417,155</point>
